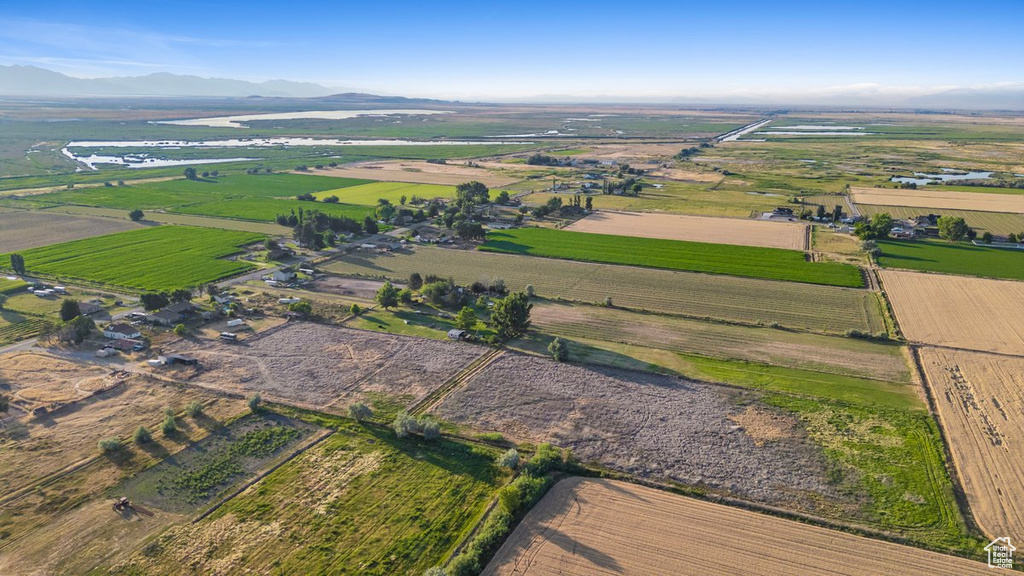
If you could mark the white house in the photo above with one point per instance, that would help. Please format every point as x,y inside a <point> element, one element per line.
<point>121,331</point>
<point>283,275</point>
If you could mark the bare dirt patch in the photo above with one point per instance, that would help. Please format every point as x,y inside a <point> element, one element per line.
<point>643,424</point>
<point>590,526</point>
<point>327,367</point>
<point>420,173</point>
<point>351,287</point>
<point>696,229</point>
<point>980,404</point>
<point>23,230</point>
<point>937,198</point>
<point>957,311</point>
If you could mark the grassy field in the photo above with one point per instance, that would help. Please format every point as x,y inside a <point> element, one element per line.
<point>13,284</point>
<point>749,261</point>
<point>24,229</point>
<point>732,299</point>
<point>183,219</point>
<point>362,501</point>
<point>368,194</point>
<point>267,209</point>
<point>959,258</point>
<point>998,223</point>
<point>727,197</point>
<point>156,258</point>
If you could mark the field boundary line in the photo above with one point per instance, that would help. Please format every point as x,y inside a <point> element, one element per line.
<point>442,392</point>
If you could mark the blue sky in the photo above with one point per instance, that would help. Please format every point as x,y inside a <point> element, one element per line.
<point>529,48</point>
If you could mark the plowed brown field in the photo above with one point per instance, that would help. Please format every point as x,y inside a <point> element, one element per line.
<point>591,527</point>
<point>956,311</point>
<point>980,403</point>
<point>934,198</point>
<point>741,232</point>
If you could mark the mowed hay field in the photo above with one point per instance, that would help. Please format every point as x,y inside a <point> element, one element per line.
<point>592,527</point>
<point>154,258</point>
<point>423,173</point>
<point>956,311</point>
<point>23,230</point>
<point>937,198</point>
<point>368,194</point>
<point>744,300</point>
<point>980,403</point>
<point>735,231</point>
<point>748,261</point>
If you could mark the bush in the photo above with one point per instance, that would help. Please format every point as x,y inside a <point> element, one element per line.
<point>464,565</point>
<point>136,214</point>
<point>405,424</point>
<point>544,460</point>
<point>509,459</point>
<point>435,571</point>
<point>254,402</point>
<point>142,436</point>
<point>110,445</point>
<point>180,330</point>
<point>355,310</point>
<point>431,429</point>
<point>359,412</point>
<point>170,425</point>
<point>530,291</point>
<point>194,408</point>
<point>559,350</point>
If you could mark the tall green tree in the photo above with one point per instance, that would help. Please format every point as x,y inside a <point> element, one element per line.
<point>953,228</point>
<point>18,263</point>
<point>466,318</point>
<point>511,315</point>
<point>190,173</point>
<point>387,296</point>
<point>136,215</point>
<point>69,309</point>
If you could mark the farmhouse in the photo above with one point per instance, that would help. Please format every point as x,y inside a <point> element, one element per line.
<point>89,308</point>
<point>166,318</point>
<point>184,307</point>
<point>283,275</point>
<point>121,332</point>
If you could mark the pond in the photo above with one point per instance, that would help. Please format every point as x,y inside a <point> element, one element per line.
<point>947,175</point>
<point>238,121</point>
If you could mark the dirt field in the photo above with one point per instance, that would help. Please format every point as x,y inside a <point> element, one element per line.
<point>23,230</point>
<point>96,406</point>
<point>980,404</point>
<point>326,367</point>
<point>420,173</point>
<point>591,527</point>
<point>960,312</point>
<point>696,229</point>
<point>643,424</point>
<point>937,198</point>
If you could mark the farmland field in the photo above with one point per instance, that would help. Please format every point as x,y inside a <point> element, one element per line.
<point>748,261</point>
<point>829,354</point>
<point>368,194</point>
<point>183,219</point>
<point>978,398</point>
<point>947,258</point>
<point>591,526</point>
<point>267,209</point>
<point>960,312</point>
<point>732,198</point>
<point>998,223</point>
<point>744,300</point>
<point>696,229</point>
<point>422,173</point>
<point>23,230</point>
<point>155,258</point>
<point>939,198</point>
<point>362,501</point>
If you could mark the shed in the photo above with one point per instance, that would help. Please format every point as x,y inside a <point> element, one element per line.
<point>181,359</point>
<point>456,334</point>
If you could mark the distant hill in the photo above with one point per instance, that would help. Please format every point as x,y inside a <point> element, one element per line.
<point>33,81</point>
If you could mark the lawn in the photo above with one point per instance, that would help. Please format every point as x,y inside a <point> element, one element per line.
<point>368,194</point>
<point>267,209</point>
<point>960,258</point>
<point>752,262</point>
<point>154,258</point>
<point>360,502</point>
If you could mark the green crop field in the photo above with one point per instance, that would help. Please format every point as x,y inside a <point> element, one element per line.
<point>18,331</point>
<point>8,285</point>
<point>998,223</point>
<point>744,300</point>
<point>267,209</point>
<point>960,258</point>
<point>362,501</point>
<point>752,262</point>
<point>156,258</point>
<point>728,197</point>
<point>368,194</point>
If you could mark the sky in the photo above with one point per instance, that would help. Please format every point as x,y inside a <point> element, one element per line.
<point>536,49</point>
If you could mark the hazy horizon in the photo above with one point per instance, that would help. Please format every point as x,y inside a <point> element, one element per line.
<point>874,52</point>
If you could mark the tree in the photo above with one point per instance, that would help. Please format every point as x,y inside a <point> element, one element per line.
<point>952,228</point>
<point>170,424</point>
<point>359,412</point>
<point>405,424</point>
<point>837,213</point>
<point>503,198</point>
<point>986,237</point>
<point>194,408</point>
<point>387,296</point>
<point>69,309</point>
<point>509,459</point>
<point>181,295</point>
<point>530,291</point>
<point>190,173</point>
<point>511,315</point>
<point>154,300</point>
<point>331,200</point>
<point>301,307</point>
<point>136,215</point>
<point>370,225</point>
<point>18,263</point>
<point>108,445</point>
<point>254,402</point>
<point>820,212</point>
<point>589,204</point>
<point>142,436</point>
<point>5,403</point>
<point>469,230</point>
<point>1012,238</point>
<point>415,281</point>
<point>466,318</point>
<point>878,227</point>
<point>76,330</point>
<point>355,310</point>
<point>405,296</point>
<point>559,351</point>
<point>469,193</point>
<point>430,429</point>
